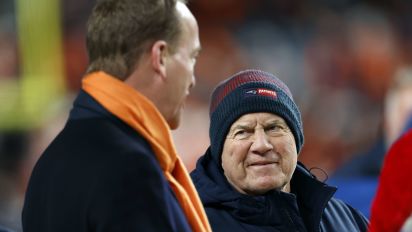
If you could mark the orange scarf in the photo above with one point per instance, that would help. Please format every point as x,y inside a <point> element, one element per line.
<point>139,113</point>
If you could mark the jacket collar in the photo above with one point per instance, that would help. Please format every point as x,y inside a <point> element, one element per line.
<point>312,195</point>
<point>85,106</point>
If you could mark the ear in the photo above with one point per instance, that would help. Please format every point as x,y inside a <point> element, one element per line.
<point>158,56</point>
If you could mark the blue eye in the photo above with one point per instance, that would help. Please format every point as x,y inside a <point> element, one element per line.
<point>240,132</point>
<point>274,128</point>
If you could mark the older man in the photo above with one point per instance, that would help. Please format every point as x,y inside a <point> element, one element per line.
<point>250,179</point>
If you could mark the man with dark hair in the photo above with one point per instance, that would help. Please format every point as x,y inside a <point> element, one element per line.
<point>250,179</point>
<point>113,167</point>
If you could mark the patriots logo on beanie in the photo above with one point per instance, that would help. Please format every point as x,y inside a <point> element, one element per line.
<point>250,91</point>
<point>262,92</point>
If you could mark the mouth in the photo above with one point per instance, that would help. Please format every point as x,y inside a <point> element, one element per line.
<point>262,163</point>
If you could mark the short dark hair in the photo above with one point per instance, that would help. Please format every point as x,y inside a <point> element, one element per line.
<point>120,31</point>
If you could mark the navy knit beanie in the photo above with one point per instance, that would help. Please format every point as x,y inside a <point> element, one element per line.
<point>246,92</point>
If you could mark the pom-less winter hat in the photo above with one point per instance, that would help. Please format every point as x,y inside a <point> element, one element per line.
<point>246,92</point>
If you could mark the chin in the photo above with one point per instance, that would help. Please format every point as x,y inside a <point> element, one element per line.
<point>173,126</point>
<point>257,191</point>
<point>174,123</point>
<point>267,186</point>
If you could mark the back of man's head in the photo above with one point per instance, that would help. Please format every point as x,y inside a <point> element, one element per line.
<point>120,31</point>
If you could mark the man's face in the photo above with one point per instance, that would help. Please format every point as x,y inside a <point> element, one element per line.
<point>180,66</point>
<point>259,154</point>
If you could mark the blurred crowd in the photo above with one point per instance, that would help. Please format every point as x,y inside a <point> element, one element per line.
<point>339,58</point>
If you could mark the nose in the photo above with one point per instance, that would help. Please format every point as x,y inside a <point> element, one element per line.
<point>261,143</point>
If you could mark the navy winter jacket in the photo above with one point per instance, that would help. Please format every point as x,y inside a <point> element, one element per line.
<point>99,175</point>
<point>309,207</point>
